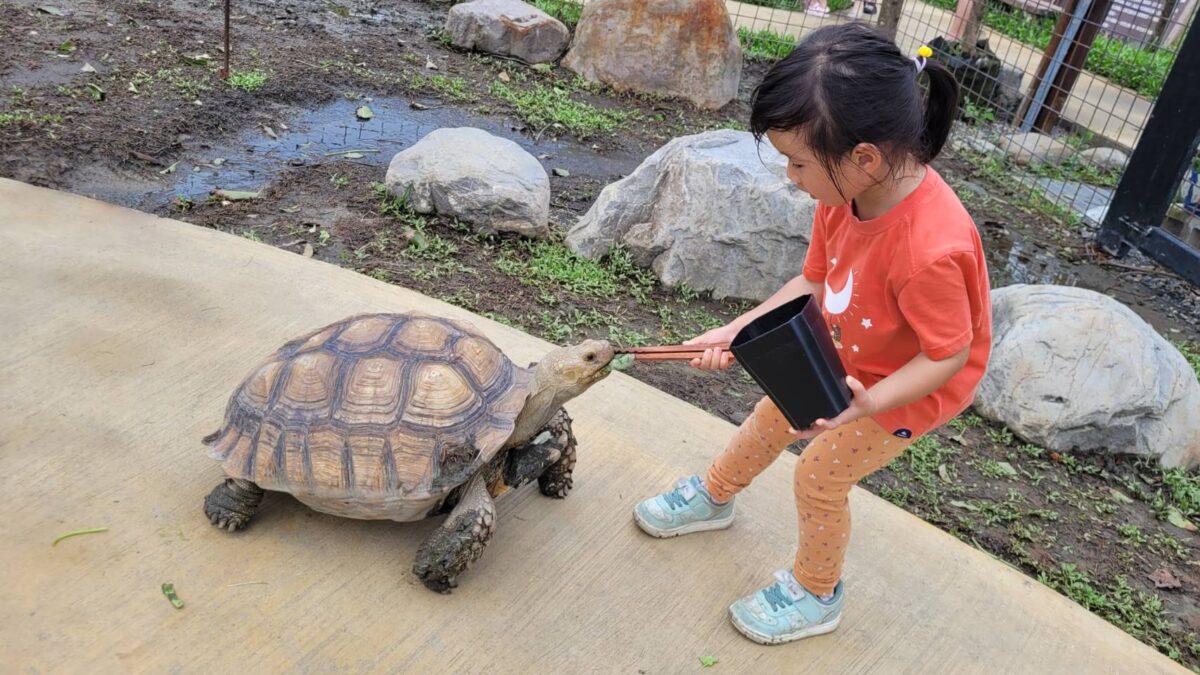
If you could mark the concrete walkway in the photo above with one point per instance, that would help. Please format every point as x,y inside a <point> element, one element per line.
<point>124,335</point>
<point>1096,104</point>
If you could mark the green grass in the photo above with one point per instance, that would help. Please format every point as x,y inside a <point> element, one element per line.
<point>1137,613</point>
<point>1191,352</point>
<point>251,80</point>
<point>799,5</point>
<point>1137,68</point>
<point>182,81</point>
<point>565,11</point>
<point>26,119</point>
<point>765,44</point>
<point>541,106</point>
<point>552,262</point>
<point>452,88</point>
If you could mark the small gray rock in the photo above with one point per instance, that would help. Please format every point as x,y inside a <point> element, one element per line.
<point>509,28</point>
<point>714,211</point>
<point>1105,159</point>
<point>478,178</point>
<point>1074,369</point>
<point>1029,148</point>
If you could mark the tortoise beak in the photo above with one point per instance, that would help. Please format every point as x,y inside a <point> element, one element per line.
<point>602,353</point>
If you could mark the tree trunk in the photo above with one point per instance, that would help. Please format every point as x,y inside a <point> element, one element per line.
<point>972,23</point>
<point>890,12</point>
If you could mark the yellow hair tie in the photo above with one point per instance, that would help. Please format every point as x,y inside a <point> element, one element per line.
<point>924,51</point>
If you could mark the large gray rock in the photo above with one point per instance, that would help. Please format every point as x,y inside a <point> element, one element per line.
<point>1074,369</point>
<point>478,178</point>
<point>705,210</point>
<point>508,28</point>
<point>682,48</point>
<point>1032,147</point>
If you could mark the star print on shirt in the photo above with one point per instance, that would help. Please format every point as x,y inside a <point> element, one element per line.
<point>854,347</point>
<point>866,323</point>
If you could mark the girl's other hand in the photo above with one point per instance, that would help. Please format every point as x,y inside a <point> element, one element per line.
<point>862,405</point>
<point>714,359</point>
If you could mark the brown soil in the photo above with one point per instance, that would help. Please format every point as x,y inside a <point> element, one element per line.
<point>133,133</point>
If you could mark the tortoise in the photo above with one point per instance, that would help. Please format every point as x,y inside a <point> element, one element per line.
<point>402,417</point>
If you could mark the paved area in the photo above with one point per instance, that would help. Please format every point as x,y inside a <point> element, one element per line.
<point>124,335</point>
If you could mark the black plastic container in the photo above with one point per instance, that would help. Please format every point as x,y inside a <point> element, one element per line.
<point>791,355</point>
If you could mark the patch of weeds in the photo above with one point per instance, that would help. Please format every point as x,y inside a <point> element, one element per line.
<point>765,44</point>
<point>977,114</point>
<point>1074,169</point>
<point>566,11</point>
<point>1191,352</point>
<point>1137,613</point>
<point>251,80</point>
<point>252,236</point>
<point>966,421</point>
<point>183,204</point>
<point>17,96</point>
<point>999,435</point>
<point>27,120</point>
<point>994,469</point>
<point>339,180</point>
<point>182,81</point>
<point>544,261</point>
<point>627,337</point>
<point>1166,544</point>
<point>1184,490</point>
<point>922,459</point>
<point>380,274</point>
<point>1132,534</point>
<point>542,106</point>
<point>467,300</point>
<point>452,88</point>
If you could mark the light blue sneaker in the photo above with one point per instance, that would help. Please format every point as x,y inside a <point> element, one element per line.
<point>686,509</point>
<point>784,611</point>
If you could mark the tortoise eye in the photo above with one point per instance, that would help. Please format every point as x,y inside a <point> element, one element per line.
<point>589,357</point>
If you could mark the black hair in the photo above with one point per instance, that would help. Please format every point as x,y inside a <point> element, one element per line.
<point>848,84</point>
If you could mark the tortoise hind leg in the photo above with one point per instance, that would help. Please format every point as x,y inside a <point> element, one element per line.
<point>556,480</point>
<point>459,542</point>
<point>231,504</point>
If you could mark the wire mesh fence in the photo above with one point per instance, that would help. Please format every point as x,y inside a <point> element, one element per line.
<point>1056,93</point>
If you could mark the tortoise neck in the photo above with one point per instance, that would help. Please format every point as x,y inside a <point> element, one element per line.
<point>543,401</point>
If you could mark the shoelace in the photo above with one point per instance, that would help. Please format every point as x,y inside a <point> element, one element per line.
<point>675,498</point>
<point>778,596</point>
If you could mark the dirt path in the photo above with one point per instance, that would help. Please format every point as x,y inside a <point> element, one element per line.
<point>154,128</point>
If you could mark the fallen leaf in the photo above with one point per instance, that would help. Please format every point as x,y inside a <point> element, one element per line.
<point>418,106</point>
<point>290,209</point>
<point>283,126</point>
<point>168,590</point>
<point>708,661</point>
<point>340,10</point>
<point>965,506</point>
<point>308,250</point>
<point>562,172</point>
<point>197,60</point>
<point>67,47</point>
<point>76,533</point>
<point>218,161</point>
<point>944,472</point>
<point>270,132</point>
<point>1176,518</point>
<point>96,92</point>
<point>238,195</point>
<point>47,9</point>
<point>132,87</point>
<point>1120,496</point>
<point>1164,578</point>
<point>543,67</point>
<point>503,77</point>
<point>364,113</point>
<point>1006,469</point>
<point>430,64</point>
<point>170,169</point>
<point>87,68</point>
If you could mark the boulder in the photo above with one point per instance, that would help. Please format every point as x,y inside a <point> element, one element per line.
<point>679,48</point>
<point>714,211</point>
<point>1032,147</point>
<point>1105,159</point>
<point>509,28</point>
<point>1074,369</point>
<point>475,177</point>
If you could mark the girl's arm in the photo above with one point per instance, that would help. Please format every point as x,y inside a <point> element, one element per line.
<point>916,379</point>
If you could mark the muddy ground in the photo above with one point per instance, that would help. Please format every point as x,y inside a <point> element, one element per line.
<point>121,100</point>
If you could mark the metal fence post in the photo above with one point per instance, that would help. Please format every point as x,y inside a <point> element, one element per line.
<point>1156,167</point>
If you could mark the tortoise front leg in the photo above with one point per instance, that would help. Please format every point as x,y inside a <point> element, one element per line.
<point>459,542</point>
<point>556,481</point>
<point>231,504</point>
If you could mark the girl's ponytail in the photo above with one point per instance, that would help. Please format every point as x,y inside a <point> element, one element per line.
<point>941,107</point>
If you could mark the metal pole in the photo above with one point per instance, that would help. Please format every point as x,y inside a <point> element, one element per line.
<point>1163,154</point>
<point>225,68</point>
<point>1056,63</point>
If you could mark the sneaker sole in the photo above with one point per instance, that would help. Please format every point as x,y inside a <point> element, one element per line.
<point>698,526</point>
<point>761,639</point>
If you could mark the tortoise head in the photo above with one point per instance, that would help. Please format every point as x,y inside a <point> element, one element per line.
<point>569,371</point>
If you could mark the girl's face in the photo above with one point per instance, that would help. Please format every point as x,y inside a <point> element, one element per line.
<point>855,172</point>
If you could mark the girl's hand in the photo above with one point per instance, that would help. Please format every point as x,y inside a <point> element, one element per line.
<point>714,359</point>
<point>862,405</point>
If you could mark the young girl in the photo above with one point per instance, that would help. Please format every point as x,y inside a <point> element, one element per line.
<point>898,267</point>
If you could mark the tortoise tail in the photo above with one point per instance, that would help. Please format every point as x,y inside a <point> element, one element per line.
<point>211,438</point>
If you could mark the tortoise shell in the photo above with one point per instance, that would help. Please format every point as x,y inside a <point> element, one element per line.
<point>376,410</point>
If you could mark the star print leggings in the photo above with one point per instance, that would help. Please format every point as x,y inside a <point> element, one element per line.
<point>829,466</point>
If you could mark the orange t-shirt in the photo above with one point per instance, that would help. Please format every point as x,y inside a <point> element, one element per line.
<point>913,280</point>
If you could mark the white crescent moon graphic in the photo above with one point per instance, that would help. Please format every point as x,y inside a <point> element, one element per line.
<point>836,303</point>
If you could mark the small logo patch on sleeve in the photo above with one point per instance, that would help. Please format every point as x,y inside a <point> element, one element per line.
<point>903,433</point>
